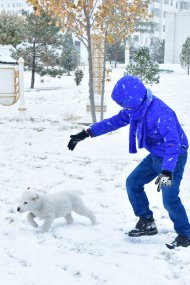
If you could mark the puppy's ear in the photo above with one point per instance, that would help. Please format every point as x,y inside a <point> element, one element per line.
<point>35,197</point>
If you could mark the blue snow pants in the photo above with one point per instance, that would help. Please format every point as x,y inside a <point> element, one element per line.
<point>146,171</point>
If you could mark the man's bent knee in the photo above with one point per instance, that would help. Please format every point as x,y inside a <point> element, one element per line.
<point>131,183</point>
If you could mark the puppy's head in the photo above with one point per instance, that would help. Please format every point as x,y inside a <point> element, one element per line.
<point>29,201</point>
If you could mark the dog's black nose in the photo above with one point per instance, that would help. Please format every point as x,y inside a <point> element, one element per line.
<point>18,209</point>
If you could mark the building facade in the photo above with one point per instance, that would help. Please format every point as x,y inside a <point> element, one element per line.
<point>14,6</point>
<point>177,31</point>
<point>165,15</point>
<point>159,10</point>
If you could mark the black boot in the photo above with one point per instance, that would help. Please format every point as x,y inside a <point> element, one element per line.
<point>144,227</point>
<point>179,241</point>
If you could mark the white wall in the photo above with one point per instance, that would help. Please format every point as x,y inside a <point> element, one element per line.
<point>82,51</point>
<point>177,31</point>
<point>84,55</point>
<point>158,9</point>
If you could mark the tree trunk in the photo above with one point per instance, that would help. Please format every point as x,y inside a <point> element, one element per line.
<point>116,55</point>
<point>32,79</point>
<point>103,83</point>
<point>33,66</point>
<point>91,87</point>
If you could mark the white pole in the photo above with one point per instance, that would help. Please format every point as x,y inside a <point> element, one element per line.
<point>21,84</point>
<point>127,47</point>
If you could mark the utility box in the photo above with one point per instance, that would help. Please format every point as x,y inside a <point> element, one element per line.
<point>12,82</point>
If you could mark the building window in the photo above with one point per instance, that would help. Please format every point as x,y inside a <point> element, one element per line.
<point>156,12</point>
<point>184,5</point>
<point>171,2</point>
<point>136,38</point>
<point>77,46</point>
<point>157,27</point>
<point>164,28</point>
<point>155,39</point>
<point>166,2</point>
<point>164,15</point>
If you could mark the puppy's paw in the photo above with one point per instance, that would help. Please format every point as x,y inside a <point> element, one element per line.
<point>34,224</point>
<point>30,218</point>
<point>93,219</point>
<point>95,223</point>
<point>44,230</point>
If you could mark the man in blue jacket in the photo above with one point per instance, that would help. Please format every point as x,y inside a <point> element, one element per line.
<point>156,128</point>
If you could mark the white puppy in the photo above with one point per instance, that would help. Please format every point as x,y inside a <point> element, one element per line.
<point>49,207</point>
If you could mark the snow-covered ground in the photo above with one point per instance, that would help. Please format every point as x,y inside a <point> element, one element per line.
<point>33,150</point>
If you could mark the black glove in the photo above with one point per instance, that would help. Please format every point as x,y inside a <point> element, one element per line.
<point>164,179</point>
<point>77,138</point>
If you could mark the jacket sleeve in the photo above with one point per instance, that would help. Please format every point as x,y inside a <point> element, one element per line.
<point>168,128</point>
<point>108,125</point>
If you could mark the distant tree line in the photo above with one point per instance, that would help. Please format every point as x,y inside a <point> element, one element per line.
<point>39,40</point>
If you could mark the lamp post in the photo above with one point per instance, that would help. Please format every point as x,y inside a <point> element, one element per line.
<point>127,51</point>
<point>21,107</point>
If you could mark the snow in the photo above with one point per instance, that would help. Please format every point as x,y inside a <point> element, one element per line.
<point>7,59</point>
<point>5,54</point>
<point>34,154</point>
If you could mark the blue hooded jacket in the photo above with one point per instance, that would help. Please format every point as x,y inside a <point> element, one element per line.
<point>153,123</point>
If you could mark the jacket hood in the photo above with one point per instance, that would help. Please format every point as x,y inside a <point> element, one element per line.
<point>129,92</point>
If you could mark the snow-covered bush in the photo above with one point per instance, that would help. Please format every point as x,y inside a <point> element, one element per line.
<point>78,76</point>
